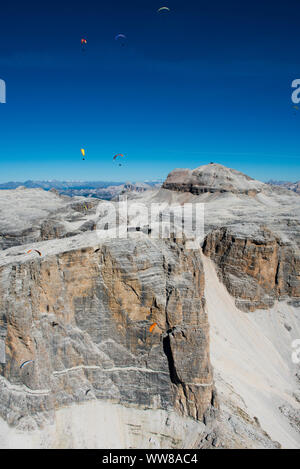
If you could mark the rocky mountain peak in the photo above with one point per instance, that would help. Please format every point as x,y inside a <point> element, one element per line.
<point>212,178</point>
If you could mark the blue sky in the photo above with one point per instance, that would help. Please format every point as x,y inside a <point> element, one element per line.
<point>207,81</point>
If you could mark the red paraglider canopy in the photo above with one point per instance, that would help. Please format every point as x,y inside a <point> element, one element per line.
<point>119,154</point>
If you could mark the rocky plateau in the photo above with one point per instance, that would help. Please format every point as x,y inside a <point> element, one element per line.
<point>216,372</point>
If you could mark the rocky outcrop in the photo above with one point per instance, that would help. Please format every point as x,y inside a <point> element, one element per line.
<point>256,266</point>
<point>252,232</point>
<point>83,315</point>
<point>32,215</point>
<point>292,186</point>
<point>80,314</point>
<point>213,178</point>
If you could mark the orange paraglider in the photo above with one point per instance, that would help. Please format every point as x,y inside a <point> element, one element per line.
<point>83,44</point>
<point>35,250</point>
<point>152,327</point>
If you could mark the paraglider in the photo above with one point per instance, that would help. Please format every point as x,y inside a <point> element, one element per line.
<point>122,38</point>
<point>163,9</point>
<point>83,153</point>
<point>116,156</point>
<point>35,250</point>
<point>25,363</point>
<point>152,327</point>
<point>83,44</point>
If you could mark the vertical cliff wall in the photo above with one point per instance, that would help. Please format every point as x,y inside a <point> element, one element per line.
<point>256,266</point>
<point>83,317</point>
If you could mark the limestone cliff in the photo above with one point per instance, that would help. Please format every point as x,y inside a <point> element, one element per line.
<point>31,215</point>
<point>256,267</point>
<point>252,232</point>
<point>213,178</point>
<point>83,315</point>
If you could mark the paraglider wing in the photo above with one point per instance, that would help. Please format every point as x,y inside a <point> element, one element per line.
<point>119,154</point>
<point>120,36</point>
<point>83,151</point>
<point>163,9</point>
<point>152,327</point>
<point>35,250</point>
<point>26,363</point>
<point>83,41</point>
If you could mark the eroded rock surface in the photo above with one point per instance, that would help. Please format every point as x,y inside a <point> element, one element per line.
<point>82,311</point>
<point>257,268</point>
<point>31,215</point>
<point>83,317</point>
<point>213,178</point>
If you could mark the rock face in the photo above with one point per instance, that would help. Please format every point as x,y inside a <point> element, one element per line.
<point>31,215</point>
<point>80,314</point>
<point>213,178</point>
<point>253,370</point>
<point>83,317</point>
<point>252,232</point>
<point>292,186</point>
<point>256,267</point>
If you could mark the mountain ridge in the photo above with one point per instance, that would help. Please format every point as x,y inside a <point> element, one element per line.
<point>83,307</point>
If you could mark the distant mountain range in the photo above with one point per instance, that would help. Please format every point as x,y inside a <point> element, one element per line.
<point>96,189</point>
<point>293,186</point>
<point>109,189</point>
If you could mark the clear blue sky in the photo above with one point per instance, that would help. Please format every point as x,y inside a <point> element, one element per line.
<point>207,81</point>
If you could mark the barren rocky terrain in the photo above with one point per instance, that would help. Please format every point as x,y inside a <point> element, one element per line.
<point>293,186</point>
<point>216,372</point>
